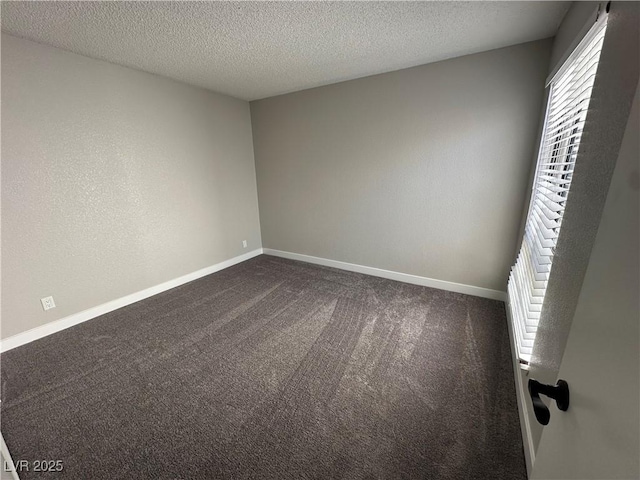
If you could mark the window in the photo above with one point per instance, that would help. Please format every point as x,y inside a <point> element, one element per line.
<point>569,97</point>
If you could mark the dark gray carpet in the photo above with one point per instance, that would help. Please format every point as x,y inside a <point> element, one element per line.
<point>272,369</point>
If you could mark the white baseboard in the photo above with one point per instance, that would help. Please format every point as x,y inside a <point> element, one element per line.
<point>400,277</point>
<point>66,322</point>
<point>71,320</point>
<point>525,426</point>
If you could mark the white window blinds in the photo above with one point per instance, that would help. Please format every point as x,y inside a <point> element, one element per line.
<point>569,96</point>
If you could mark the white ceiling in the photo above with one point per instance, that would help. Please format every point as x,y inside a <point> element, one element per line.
<point>253,50</point>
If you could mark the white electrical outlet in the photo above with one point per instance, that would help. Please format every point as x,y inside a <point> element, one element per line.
<point>48,303</point>
<point>244,244</point>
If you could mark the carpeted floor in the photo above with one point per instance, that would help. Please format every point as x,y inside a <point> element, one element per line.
<point>272,369</point>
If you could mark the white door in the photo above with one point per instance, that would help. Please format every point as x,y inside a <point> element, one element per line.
<point>598,437</point>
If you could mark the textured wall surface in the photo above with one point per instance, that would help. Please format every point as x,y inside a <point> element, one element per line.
<point>113,180</point>
<point>255,50</point>
<point>421,171</point>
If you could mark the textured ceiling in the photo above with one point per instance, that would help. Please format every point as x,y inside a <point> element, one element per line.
<point>253,50</point>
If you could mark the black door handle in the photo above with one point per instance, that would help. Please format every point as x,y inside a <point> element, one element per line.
<point>560,393</point>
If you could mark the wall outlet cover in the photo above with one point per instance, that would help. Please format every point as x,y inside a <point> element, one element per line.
<point>47,303</point>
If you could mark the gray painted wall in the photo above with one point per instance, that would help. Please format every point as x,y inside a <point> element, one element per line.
<point>421,171</point>
<point>113,180</point>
